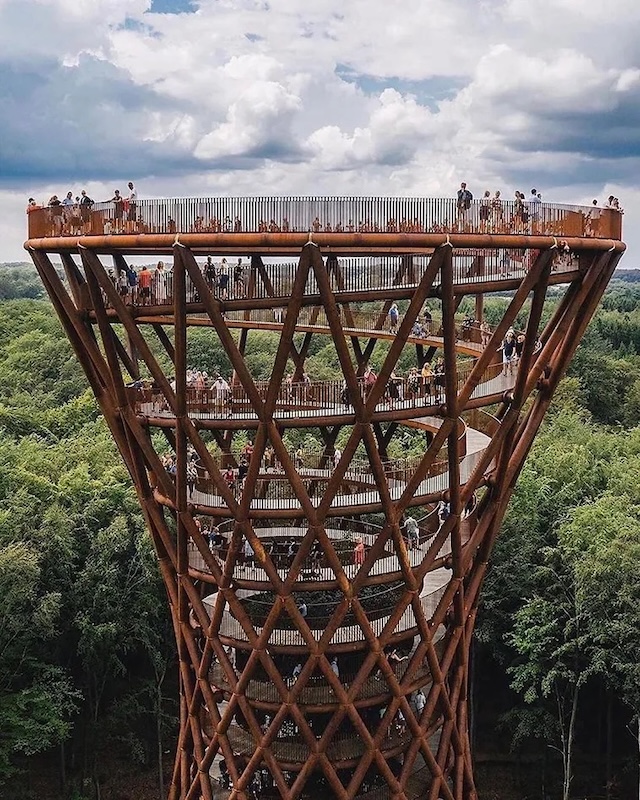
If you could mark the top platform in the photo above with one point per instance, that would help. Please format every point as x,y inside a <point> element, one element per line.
<point>347,222</point>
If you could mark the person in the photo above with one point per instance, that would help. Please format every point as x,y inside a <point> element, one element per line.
<point>247,450</point>
<point>192,477</point>
<point>298,458</point>
<point>221,391</point>
<point>86,203</point>
<point>413,532</point>
<point>370,378</point>
<point>225,778</point>
<point>344,395</point>
<point>316,559</point>
<point>118,210</point>
<point>230,478</point>
<point>123,284</point>
<point>292,550</point>
<point>534,209</point>
<point>400,723</point>
<point>508,352</point>
<point>223,280</point>
<point>131,206</point>
<point>238,279</point>
<point>334,666</point>
<point>209,272</point>
<point>426,376</point>
<point>332,265</point>
<point>144,282</point>
<point>359,552</point>
<point>337,455</point>
<point>393,388</point>
<point>443,511</point>
<point>520,340</point>
<point>296,671</point>
<point>393,318</point>
<point>420,702</point>
<point>464,200</point>
<point>496,209</point>
<point>32,206</point>
<point>216,539</point>
<point>485,210</point>
<point>414,382</point>
<point>302,608</point>
<point>394,658</point>
<point>56,212</point>
<point>243,469</point>
<point>485,333</point>
<point>248,553</point>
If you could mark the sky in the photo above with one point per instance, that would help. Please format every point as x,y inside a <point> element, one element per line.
<point>365,97</point>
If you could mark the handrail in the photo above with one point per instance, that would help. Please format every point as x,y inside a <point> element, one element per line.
<point>315,398</point>
<point>324,214</point>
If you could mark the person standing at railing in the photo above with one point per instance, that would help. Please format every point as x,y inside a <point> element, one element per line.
<point>426,376</point>
<point>144,282</point>
<point>370,378</point>
<point>359,552</point>
<point>223,280</point>
<point>56,213</point>
<point>412,531</point>
<point>118,210</point>
<point>438,381</point>
<point>221,390</point>
<point>414,382</point>
<point>496,213</point>
<point>132,205</point>
<point>243,469</point>
<point>394,315</point>
<point>534,210</point>
<point>463,204</point>
<point>337,455</point>
<point>248,553</point>
<point>485,211</point>
<point>238,280</point>
<point>508,352</point>
<point>86,204</point>
<point>192,477</point>
<point>160,284</point>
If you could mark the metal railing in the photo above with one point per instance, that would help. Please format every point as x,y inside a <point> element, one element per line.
<point>315,398</point>
<point>396,215</point>
<point>232,630</point>
<point>275,280</point>
<point>342,747</point>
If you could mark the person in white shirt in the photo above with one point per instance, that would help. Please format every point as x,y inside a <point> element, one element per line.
<point>221,392</point>
<point>132,202</point>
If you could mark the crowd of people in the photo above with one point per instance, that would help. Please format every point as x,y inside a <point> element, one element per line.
<point>149,285</point>
<point>73,216</point>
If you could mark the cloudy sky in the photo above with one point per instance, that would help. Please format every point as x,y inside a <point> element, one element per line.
<point>207,97</point>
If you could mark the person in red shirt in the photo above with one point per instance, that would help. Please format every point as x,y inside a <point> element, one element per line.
<point>144,282</point>
<point>359,552</point>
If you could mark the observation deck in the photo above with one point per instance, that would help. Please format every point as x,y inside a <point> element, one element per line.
<point>324,490</point>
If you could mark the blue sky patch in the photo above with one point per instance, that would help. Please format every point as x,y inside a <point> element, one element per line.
<point>428,92</point>
<point>172,7</point>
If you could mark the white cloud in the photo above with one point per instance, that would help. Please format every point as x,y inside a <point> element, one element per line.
<point>246,96</point>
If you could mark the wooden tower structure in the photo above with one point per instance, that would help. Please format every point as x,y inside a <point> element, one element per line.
<point>323,538</point>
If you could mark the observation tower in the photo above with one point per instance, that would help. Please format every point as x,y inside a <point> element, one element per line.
<point>323,513</point>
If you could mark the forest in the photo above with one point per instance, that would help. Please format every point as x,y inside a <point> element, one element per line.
<point>88,679</point>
